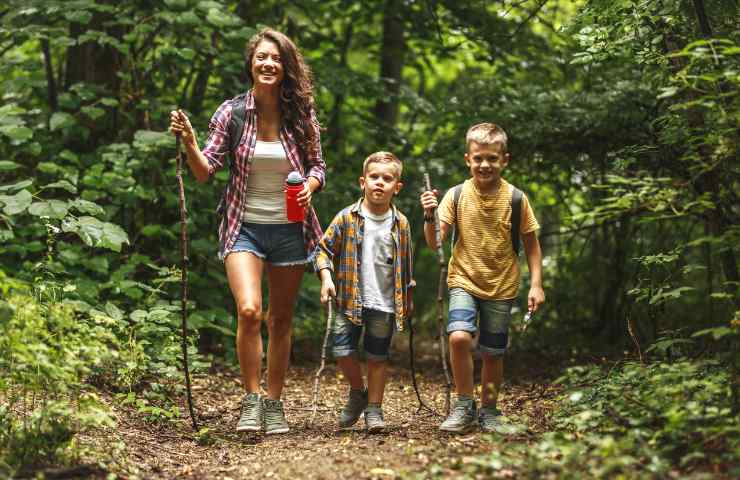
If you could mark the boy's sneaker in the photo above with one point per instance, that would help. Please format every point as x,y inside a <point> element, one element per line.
<point>462,417</point>
<point>492,420</point>
<point>374,419</point>
<point>250,419</point>
<point>356,404</point>
<point>489,419</point>
<point>274,417</point>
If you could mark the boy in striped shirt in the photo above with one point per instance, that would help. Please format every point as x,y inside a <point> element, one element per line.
<point>483,275</point>
<point>367,247</point>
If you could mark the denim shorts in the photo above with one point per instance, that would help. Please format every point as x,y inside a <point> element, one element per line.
<point>280,244</point>
<point>379,328</point>
<point>495,316</point>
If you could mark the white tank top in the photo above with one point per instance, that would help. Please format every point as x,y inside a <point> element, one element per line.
<point>267,174</point>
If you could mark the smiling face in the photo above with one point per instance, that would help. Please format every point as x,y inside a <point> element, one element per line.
<point>267,67</point>
<point>486,162</point>
<point>379,184</point>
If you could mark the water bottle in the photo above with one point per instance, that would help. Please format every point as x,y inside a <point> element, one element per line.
<point>294,186</point>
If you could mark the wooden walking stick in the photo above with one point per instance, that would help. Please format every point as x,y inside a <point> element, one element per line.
<point>440,297</point>
<point>317,377</point>
<point>184,279</point>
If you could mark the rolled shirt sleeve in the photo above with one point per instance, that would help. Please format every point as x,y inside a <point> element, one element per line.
<point>217,144</point>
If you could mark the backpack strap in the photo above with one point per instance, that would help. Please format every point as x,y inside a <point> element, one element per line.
<point>236,123</point>
<point>456,191</point>
<point>236,130</point>
<point>516,217</point>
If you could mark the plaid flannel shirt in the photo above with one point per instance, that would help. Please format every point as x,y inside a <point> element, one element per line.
<point>234,196</point>
<point>340,250</point>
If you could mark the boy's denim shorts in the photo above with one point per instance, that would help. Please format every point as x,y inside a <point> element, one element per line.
<point>495,316</point>
<point>280,244</point>
<point>379,328</point>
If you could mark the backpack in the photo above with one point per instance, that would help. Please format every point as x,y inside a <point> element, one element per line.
<point>516,214</point>
<point>236,123</point>
<point>236,130</point>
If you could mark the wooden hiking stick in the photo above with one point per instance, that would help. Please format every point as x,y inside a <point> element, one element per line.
<point>317,377</point>
<point>440,297</point>
<point>184,278</point>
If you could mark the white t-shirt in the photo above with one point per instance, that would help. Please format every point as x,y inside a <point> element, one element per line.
<point>265,197</point>
<point>376,273</point>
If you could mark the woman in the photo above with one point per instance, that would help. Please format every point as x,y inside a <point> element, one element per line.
<point>280,135</point>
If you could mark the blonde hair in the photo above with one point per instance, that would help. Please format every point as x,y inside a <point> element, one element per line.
<point>486,134</point>
<point>383,157</point>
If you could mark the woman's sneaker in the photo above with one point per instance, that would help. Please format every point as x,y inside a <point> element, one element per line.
<point>250,419</point>
<point>274,417</point>
<point>356,404</point>
<point>374,419</point>
<point>462,417</point>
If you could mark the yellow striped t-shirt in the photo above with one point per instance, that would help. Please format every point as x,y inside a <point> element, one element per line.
<point>483,261</point>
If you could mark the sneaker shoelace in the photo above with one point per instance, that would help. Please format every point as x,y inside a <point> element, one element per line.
<point>248,409</point>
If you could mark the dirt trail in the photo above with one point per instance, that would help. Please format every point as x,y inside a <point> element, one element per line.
<point>411,445</point>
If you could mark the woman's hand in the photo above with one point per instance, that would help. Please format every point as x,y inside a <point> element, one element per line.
<point>304,198</point>
<point>180,124</point>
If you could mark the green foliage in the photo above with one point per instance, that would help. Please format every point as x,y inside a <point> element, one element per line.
<point>46,353</point>
<point>631,421</point>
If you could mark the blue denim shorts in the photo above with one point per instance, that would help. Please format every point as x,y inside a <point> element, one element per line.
<point>280,244</point>
<point>495,316</point>
<point>379,328</point>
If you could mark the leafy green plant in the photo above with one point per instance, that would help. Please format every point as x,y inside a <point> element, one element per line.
<point>631,420</point>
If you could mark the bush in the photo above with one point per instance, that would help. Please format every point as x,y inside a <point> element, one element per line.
<point>633,420</point>
<point>46,352</point>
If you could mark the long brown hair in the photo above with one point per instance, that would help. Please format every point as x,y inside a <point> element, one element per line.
<point>296,89</point>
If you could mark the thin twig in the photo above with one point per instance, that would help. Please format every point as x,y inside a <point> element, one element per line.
<point>184,279</point>
<point>440,298</point>
<point>631,330</point>
<point>412,365</point>
<point>317,377</point>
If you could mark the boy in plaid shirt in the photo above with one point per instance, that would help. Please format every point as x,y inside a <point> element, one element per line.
<point>368,249</point>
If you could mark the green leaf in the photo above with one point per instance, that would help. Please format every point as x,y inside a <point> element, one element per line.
<point>16,186</point>
<point>7,166</point>
<point>138,316</point>
<point>113,237</point>
<point>79,16</point>
<point>221,19</point>
<point>668,92</point>
<point>89,229</point>
<point>716,333</point>
<point>50,208</point>
<point>675,293</point>
<point>114,312</point>
<point>109,102</point>
<point>93,112</point>
<point>17,203</point>
<point>85,206</point>
<point>18,133</point>
<point>63,184</point>
<point>61,120</point>
<point>186,53</point>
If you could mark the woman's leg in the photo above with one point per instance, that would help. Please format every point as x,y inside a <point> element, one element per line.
<point>283,284</point>
<point>244,271</point>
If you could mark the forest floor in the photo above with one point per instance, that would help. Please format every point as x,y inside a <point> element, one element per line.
<point>412,445</point>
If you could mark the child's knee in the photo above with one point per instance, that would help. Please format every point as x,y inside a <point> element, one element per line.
<point>461,340</point>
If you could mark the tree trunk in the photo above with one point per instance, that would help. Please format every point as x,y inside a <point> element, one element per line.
<point>391,66</point>
<point>335,121</point>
